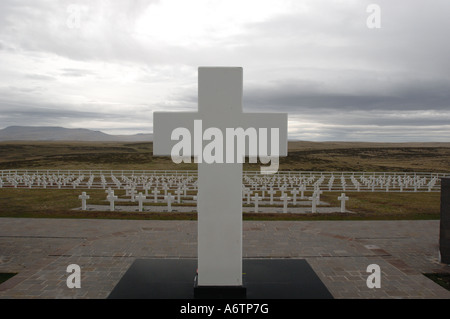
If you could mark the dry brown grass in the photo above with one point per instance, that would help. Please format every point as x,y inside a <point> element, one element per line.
<point>307,156</point>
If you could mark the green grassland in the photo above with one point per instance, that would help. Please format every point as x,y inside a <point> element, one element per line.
<point>306,156</point>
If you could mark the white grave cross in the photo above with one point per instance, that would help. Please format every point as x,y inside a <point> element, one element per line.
<point>111,198</point>
<point>294,193</point>
<point>219,182</point>
<point>256,199</point>
<point>133,194</point>
<point>271,193</point>
<point>302,191</point>
<point>343,199</point>
<point>109,191</point>
<point>179,191</point>
<point>140,198</point>
<point>169,198</point>
<point>83,198</point>
<point>155,194</point>
<point>313,200</point>
<point>285,199</point>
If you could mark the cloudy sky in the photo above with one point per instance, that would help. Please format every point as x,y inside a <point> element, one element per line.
<point>107,65</point>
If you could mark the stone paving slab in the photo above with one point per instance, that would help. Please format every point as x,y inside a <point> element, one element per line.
<point>40,250</point>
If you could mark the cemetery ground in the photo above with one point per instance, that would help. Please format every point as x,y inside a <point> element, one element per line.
<point>303,156</point>
<point>398,231</point>
<point>51,203</point>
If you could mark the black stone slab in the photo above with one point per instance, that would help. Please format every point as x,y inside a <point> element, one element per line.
<point>262,278</point>
<point>220,292</point>
<point>444,233</point>
<point>282,279</point>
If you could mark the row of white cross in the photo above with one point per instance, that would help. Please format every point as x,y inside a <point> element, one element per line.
<point>358,182</point>
<point>169,199</point>
<point>111,198</point>
<point>330,181</point>
<point>43,181</point>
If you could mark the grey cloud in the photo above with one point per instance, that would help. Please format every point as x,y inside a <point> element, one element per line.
<point>42,27</point>
<point>323,65</point>
<point>75,72</point>
<point>39,77</point>
<point>399,121</point>
<point>372,133</point>
<point>410,95</point>
<point>24,110</point>
<point>25,89</point>
<point>296,102</point>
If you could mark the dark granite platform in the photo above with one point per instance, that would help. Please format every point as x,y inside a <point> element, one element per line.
<point>263,279</point>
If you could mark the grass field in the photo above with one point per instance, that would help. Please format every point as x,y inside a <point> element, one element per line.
<point>306,156</point>
<point>60,203</point>
<point>331,156</point>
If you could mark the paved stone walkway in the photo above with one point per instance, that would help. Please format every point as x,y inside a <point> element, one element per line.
<point>40,250</point>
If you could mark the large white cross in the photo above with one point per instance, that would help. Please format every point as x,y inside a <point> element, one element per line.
<point>219,184</point>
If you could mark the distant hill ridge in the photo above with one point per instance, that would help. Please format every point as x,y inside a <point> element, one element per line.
<point>56,133</point>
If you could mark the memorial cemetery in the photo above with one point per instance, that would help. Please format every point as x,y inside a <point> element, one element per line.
<point>218,194</point>
<point>176,191</point>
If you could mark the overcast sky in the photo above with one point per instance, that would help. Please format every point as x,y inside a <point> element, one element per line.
<point>107,65</point>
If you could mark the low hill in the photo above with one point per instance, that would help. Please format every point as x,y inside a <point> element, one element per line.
<point>49,133</point>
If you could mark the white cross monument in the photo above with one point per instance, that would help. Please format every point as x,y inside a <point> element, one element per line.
<point>219,182</point>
